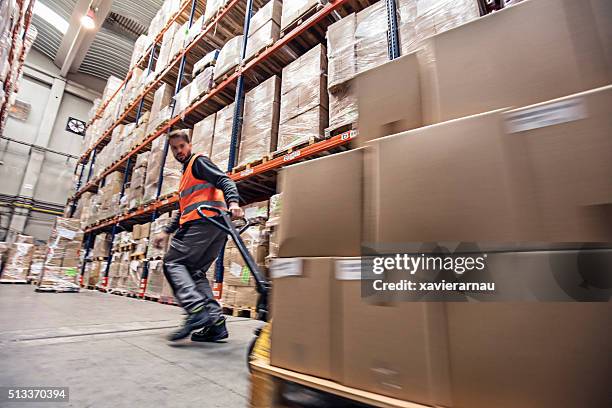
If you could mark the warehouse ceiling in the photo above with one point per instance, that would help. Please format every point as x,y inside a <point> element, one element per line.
<point>101,52</point>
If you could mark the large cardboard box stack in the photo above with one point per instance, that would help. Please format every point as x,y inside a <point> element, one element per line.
<point>371,31</point>
<point>212,8</point>
<point>19,259</point>
<point>229,57</point>
<point>93,273</point>
<point>173,170</point>
<point>153,169</point>
<point>202,136</point>
<point>102,244</point>
<point>38,261</point>
<point>160,108</point>
<point>260,121</point>
<point>222,137</point>
<point>61,267</point>
<point>157,227</point>
<point>480,66</point>
<point>165,52</point>
<point>304,99</point>
<point>135,193</point>
<point>264,29</point>
<point>133,275</point>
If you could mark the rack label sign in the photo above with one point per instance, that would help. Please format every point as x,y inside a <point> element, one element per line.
<point>283,267</point>
<point>291,156</point>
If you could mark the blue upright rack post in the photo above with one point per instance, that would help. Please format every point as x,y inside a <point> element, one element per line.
<point>91,164</point>
<point>392,40</point>
<point>86,255</point>
<point>236,127</point>
<point>73,204</point>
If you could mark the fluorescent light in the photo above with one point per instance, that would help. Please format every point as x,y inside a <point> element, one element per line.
<point>87,21</point>
<point>50,17</point>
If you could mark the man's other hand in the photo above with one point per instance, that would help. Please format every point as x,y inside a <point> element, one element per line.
<point>160,240</point>
<point>235,211</point>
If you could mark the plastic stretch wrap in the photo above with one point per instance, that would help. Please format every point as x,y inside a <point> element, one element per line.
<point>212,8</point>
<point>134,272</point>
<point>272,11</point>
<point>202,83</point>
<point>140,46</point>
<point>343,106</point>
<point>155,279</point>
<point>229,57</point>
<point>260,121</point>
<point>62,260</point>
<point>421,19</point>
<point>157,226</point>
<point>18,261</point>
<point>173,170</point>
<point>202,137</point>
<point>161,99</point>
<point>194,30</point>
<point>308,125</point>
<point>178,41</point>
<point>257,213</point>
<point>209,59</point>
<point>223,137</point>
<point>239,273</point>
<point>341,51</point>
<point>371,29</point>
<point>153,168</point>
<point>165,52</point>
<point>294,9</point>
<point>182,100</point>
<point>267,35</point>
<point>59,278</point>
<point>101,246</point>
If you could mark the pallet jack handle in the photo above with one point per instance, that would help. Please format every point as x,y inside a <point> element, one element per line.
<point>226,225</point>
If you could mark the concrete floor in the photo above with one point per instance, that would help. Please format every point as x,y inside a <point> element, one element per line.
<point>111,351</point>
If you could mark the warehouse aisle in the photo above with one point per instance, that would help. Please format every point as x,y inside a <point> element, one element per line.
<point>111,351</point>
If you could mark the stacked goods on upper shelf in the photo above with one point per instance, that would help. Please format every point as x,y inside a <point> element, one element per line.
<point>293,10</point>
<point>229,57</point>
<point>371,32</point>
<point>157,227</point>
<point>19,259</point>
<point>98,127</point>
<point>92,275</point>
<point>166,48</point>
<point>141,45</point>
<point>164,14</point>
<point>203,74</point>
<point>212,8</point>
<point>173,171</point>
<point>109,195</point>
<point>222,137</point>
<point>264,28</point>
<point>238,283</point>
<point>60,271</point>
<point>135,194</point>
<point>160,110</point>
<point>260,121</point>
<point>102,244</point>
<point>304,99</point>
<point>202,137</point>
<point>83,209</point>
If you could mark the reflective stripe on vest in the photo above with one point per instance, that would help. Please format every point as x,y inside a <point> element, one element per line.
<point>194,193</point>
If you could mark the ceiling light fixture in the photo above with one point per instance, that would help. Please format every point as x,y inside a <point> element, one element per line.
<point>87,21</point>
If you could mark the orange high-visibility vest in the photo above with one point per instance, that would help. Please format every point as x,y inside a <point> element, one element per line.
<point>194,192</point>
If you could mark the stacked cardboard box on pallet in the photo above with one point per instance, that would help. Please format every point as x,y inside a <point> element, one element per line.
<point>38,262</point>
<point>19,259</point>
<point>486,172</point>
<point>203,135</point>
<point>223,137</point>
<point>229,57</point>
<point>260,121</point>
<point>61,266</point>
<point>264,29</point>
<point>293,10</point>
<point>304,99</point>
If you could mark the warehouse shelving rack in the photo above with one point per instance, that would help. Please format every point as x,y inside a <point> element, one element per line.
<point>20,28</point>
<point>258,181</point>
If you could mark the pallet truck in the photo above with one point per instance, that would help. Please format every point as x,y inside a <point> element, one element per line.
<point>260,345</point>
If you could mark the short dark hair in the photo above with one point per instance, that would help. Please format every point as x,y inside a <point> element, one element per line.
<point>179,134</point>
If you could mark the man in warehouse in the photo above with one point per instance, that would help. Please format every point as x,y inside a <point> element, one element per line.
<point>197,242</point>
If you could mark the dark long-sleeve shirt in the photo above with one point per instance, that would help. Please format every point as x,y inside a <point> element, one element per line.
<point>204,169</point>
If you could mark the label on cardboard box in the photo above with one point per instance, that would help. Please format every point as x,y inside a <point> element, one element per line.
<point>348,269</point>
<point>283,267</point>
<point>235,269</point>
<point>66,233</point>
<point>546,115</point>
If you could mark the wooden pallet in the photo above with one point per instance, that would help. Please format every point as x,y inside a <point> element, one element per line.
<point>298,21</point>
<point>225,76</point>
<point>340,128</point>
<point>294,148</point>
<point>100,258</point>
<point>16,281</point>
<point>151,298</point>
<point>240,311</point>
<point>250,165</point>
<point>140,256</point>
<point>269,383</point>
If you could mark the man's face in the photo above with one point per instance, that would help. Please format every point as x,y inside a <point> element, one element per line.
<point>181,150</point>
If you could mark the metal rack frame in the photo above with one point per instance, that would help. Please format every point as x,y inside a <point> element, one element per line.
<point>153,209</point>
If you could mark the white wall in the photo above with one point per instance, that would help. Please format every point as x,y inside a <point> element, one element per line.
<point>55,179</point>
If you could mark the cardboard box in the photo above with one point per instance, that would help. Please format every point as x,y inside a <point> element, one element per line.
<point>229,57</point>
<point>270,12</point>
<point>300,129</point>
<point>223,137</point>
<point>386,105</point>
<point>393,348</point>
<point>145,230</point>
<point>304,98</point>
<point>261,38</point>
<point>371,28</point>
<point>565,144</point>
<point>343,109</point>
<point>202,138</point>
<point>480,66</point>
<point>556,351</point>
<point>302,71</point>
<point>341,51</point>
<point>303,344</point>
<point>312,221</point>
<point>445,182</point>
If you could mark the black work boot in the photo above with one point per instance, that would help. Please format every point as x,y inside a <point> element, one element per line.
<point>193,322</point>
<point>216,332</point>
